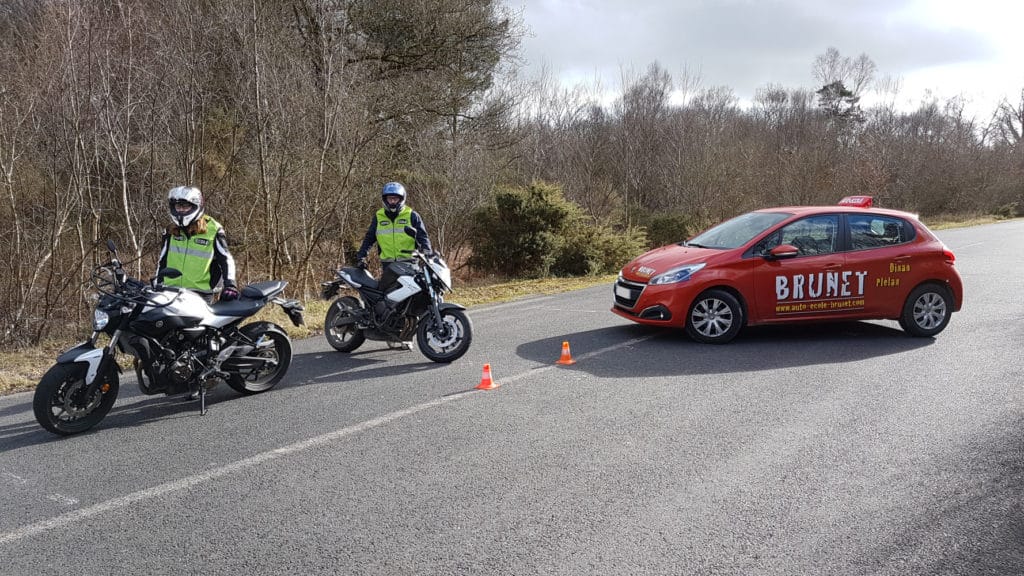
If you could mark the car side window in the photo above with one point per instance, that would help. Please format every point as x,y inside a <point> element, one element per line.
<point>876,231</point>
<point>812,235</point>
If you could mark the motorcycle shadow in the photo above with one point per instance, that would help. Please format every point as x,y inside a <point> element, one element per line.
<point>137,409</point>
<point>369,363</point>
<point>132,409</point>
<point>23,435</point>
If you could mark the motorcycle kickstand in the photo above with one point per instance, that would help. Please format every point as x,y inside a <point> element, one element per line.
<point>202,400</point>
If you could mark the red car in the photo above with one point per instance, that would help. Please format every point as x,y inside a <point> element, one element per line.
<point>796,264</point>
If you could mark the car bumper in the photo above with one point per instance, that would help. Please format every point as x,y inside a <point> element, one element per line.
<point>664,305</point>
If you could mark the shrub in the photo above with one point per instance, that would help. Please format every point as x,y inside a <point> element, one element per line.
<point>663,229</point>
<point>519,234</point>
<point>1008,211</point>
<point>597,250</point>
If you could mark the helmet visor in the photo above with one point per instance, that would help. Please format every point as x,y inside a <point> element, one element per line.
<point>182,206</point>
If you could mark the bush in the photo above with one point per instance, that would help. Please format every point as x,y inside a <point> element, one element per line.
<point>534,232</point>
<point>596,250</point>
<point>663,229</point>
<point>1008,211</point>
<point>520,233</point>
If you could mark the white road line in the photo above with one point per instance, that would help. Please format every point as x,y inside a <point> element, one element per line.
<point>74,516</point>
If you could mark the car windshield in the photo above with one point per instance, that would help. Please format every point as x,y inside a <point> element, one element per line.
<point>738,231</point>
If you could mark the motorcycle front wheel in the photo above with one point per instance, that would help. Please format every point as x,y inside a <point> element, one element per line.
<point>61,403</point>
<point>344,337</point>
<point>449,340</point>
<point>277,358</point>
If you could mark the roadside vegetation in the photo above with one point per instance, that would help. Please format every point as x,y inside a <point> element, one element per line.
<point>291,114</point>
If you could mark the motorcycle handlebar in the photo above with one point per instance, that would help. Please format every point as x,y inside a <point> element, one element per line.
<point>111,279</point>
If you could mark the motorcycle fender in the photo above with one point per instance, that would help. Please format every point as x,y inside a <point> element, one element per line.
<point>84,352</point>
<point>263,327</point>
<point>450,305</point>
<point>71,354</point>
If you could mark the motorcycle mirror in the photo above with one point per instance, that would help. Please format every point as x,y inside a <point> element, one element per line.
<point>110,246</point>
<point>410,231</point>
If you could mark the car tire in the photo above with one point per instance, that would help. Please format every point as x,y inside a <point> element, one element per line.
<point>714,317</point>
<point>927,310</point>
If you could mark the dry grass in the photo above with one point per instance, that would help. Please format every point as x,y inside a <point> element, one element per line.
<point>21,369</point>
<point>943,222</point>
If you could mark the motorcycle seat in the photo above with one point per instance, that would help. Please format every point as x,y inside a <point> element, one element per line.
<point>362,276</point>
<point>238,308</point>
<point>252,299</point>
<point>261,290</point>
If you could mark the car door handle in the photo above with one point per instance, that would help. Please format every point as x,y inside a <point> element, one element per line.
<point>832,266</point>
<point>902,258</point>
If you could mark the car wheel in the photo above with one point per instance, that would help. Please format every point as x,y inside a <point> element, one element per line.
<point>715,317</point>
<point>926,311</point>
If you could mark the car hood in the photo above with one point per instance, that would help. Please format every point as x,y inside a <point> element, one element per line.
<point>659,260</point>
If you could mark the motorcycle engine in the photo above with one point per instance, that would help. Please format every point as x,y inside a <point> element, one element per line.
<point>186,350</point>
<point>182,370</point>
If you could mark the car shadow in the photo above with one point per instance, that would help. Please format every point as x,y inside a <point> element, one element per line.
<point>667,352</point>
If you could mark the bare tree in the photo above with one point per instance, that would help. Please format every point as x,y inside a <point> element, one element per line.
<point>1009,120</point>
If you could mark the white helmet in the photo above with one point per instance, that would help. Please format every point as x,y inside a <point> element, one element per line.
<point>185,194</point>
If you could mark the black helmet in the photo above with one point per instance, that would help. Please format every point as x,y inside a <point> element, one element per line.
<point>393,189</point>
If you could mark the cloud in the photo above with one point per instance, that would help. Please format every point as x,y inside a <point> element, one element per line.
<point>740,44</point>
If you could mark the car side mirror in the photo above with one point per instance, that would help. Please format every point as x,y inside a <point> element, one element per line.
<point>782,251</point>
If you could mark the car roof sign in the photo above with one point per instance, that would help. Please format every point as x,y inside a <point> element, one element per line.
<point>858,201</point>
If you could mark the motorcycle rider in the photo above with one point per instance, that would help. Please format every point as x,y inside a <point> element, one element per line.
<point>387,231</point>
<point>197,246</point>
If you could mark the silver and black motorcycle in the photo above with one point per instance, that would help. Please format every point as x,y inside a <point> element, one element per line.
<point>180,344</point>
<point>414,306</point>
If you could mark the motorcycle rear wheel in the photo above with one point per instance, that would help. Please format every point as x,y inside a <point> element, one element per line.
<point>343,338</point>
<point>59,403</point>
<point>279,357</point>
<point>447,342</point>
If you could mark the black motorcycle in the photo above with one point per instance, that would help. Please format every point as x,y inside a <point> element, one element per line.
<point>414,306</point>
<point>180,344</point>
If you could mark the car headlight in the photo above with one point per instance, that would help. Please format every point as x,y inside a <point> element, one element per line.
<point>99,320</point>
<point>680,274</point>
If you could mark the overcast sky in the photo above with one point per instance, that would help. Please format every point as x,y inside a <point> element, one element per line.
<point>969,48</point>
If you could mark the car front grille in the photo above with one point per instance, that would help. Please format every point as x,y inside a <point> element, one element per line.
<point>627,293</point>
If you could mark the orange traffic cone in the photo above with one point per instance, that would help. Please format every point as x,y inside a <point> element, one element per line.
<point>566,356</point>
<point>486,382</point>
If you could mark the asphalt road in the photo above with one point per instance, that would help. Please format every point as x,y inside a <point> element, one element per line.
<point>836,449</point>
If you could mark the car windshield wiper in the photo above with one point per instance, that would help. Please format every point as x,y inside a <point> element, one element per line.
<point>693,245</point>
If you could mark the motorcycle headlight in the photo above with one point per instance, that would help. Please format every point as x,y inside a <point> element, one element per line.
<point>675,275</point>
<point>99,320</point>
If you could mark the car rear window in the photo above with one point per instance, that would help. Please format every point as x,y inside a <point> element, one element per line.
<point>877,231</point>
